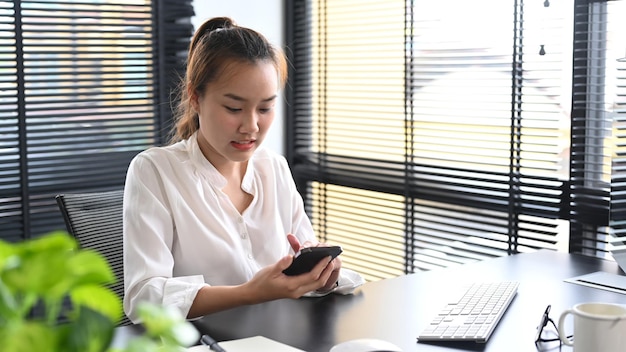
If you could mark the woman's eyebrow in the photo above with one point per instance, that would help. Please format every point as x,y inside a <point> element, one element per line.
<point>238,98</point>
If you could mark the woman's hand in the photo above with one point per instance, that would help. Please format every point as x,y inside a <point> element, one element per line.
<point>268,284</point>
<point>271,283</point>
<point>296,245</point>
<point>335,264</point>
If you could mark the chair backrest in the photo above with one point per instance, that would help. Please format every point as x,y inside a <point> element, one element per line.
<point>95,220</point>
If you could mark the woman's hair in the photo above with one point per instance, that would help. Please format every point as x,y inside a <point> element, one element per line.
<point>217,43</point>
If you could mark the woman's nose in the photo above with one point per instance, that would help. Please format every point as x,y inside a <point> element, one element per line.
<point>250,123</point>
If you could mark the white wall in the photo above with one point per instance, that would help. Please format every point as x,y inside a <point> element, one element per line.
<point>264,16</point>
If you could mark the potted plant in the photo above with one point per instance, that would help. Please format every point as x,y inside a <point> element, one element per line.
<point>53,298</point>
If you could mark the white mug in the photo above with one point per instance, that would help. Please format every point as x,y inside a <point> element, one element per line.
<point>597,327</point>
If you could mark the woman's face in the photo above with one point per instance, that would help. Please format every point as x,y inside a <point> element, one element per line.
<point>236,111</point>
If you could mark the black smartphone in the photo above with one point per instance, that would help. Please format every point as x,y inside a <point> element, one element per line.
<point>308,257</point>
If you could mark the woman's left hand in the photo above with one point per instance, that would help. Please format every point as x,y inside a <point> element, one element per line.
<point>335,263</point>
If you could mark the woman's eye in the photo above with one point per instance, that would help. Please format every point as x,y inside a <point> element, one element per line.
<point>232,109</point>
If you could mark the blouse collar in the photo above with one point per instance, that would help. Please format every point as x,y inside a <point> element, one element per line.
<point>204,166</point>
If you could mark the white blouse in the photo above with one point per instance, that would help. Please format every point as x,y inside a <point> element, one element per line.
<point>181,231</point>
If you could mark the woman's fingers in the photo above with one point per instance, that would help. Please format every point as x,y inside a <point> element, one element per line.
<point>294,242</point>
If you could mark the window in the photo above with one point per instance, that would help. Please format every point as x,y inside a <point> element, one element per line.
<point>425,134</point>
<point>84,86</point>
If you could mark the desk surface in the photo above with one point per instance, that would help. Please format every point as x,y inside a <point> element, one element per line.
<point>397,309</point>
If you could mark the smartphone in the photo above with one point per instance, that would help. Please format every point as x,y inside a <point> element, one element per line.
<point>308,257</point>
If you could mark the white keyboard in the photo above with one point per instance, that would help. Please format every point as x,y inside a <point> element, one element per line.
<point>473,314</point>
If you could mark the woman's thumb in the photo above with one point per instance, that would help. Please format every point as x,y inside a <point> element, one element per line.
<point>285,261</point>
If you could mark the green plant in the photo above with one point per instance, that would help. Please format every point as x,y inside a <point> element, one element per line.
<point>53,298</point>
<point>166,331</point>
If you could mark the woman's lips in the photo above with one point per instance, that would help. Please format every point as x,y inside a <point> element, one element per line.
<point>242,145</point>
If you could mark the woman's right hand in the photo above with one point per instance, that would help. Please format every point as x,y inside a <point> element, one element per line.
<point>268,284</point>
<point>271,283</point>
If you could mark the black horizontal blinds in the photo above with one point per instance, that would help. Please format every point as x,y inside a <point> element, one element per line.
<point>350,129</point>
<point>490,128</point>
<point>368,225</point>
<point>616,44</point>
<point>89,96</point>
<point>428,134</point>
<point>12,216</point>
<point>81,93</point>
<point>598,42</point>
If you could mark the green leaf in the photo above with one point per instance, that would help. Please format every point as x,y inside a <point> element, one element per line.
<point>99,299</point>
<point>90,332</point>
<point>37,273</point>
<point>8,255</point>
<point>48,269</point>
<point>29,336</point>
<point>42,264</point>
<point>54,242</point>
<point>167,324</point>
<point>9,307</point>
<point>90,267</point>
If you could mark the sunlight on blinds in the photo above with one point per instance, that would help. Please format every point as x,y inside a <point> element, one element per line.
<point>616,105</point>
<point>490,130</point>
<point>363,81</point>
<point>462,91</point>
<point>367,225</point>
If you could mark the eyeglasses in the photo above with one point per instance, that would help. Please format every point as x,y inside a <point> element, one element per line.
<point>545,319</point>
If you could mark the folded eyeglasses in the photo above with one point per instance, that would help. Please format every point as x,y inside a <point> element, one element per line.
<point>545,319</point>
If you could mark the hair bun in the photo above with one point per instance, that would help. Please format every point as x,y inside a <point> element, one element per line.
<point>213,25</point>
<point>218,23</point>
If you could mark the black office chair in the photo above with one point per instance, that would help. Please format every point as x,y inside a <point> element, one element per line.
<point>95,220</point>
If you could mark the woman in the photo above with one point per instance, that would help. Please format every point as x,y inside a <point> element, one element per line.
<point>212,220</point>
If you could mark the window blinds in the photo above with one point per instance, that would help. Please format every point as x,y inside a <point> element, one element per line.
<point>428,134</point>
<point>80,95</point>
<point>615,107</point>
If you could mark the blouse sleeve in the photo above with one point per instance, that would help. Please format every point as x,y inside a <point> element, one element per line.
<point>148,237</point>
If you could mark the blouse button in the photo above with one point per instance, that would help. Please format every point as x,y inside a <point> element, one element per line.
<point>249,256</point>
<point>243,235</point>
